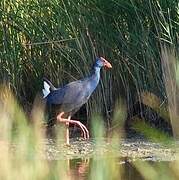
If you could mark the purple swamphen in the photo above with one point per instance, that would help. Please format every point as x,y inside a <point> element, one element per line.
<point>72,96</point>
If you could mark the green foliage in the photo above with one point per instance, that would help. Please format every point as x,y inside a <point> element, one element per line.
<point>59,39</point>
<point>151,133</point>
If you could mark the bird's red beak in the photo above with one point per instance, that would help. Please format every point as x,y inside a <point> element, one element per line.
<point>106,63</point>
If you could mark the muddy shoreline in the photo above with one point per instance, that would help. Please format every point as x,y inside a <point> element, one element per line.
<point>130,149</point>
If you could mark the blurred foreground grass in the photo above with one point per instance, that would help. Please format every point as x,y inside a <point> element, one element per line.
<point>22,152</point>
<point>23,156</point>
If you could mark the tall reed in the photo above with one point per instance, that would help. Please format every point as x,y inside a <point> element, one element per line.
<point>60,39</point>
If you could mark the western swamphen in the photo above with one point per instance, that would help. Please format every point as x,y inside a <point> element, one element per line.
<point>72,96</point>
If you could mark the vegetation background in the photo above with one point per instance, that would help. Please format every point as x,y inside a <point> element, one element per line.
<point>60,39</point>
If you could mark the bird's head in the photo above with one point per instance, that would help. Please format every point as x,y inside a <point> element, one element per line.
<point>100,62</point>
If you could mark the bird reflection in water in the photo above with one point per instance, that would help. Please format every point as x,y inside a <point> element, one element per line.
<point>78,168</point>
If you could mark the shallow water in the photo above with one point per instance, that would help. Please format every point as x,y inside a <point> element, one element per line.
<point>90,158</point>
<point>131,149</point>
<point>80,168</point>
<point>82,156</point>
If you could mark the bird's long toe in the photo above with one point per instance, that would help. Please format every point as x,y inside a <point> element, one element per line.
<point>88,135</point>
<point>84,129</point>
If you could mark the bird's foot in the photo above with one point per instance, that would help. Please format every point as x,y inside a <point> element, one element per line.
<point>67,145</point>
<point>84,130</point>
<point>68,121</point>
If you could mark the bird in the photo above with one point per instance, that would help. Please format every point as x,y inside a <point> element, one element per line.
<point>70,97</point>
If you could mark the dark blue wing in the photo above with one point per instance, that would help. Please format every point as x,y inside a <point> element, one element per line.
<point>73,93</point>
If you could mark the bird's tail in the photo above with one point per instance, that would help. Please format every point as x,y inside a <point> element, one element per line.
<point>48,86</point>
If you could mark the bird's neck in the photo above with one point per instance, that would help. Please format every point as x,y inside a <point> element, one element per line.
<point>97,70</point>
<point>95,76</point>
<point>92,80</point>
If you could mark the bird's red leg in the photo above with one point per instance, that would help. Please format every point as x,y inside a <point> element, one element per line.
<point>67,136</point>
<point>82,126</point>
